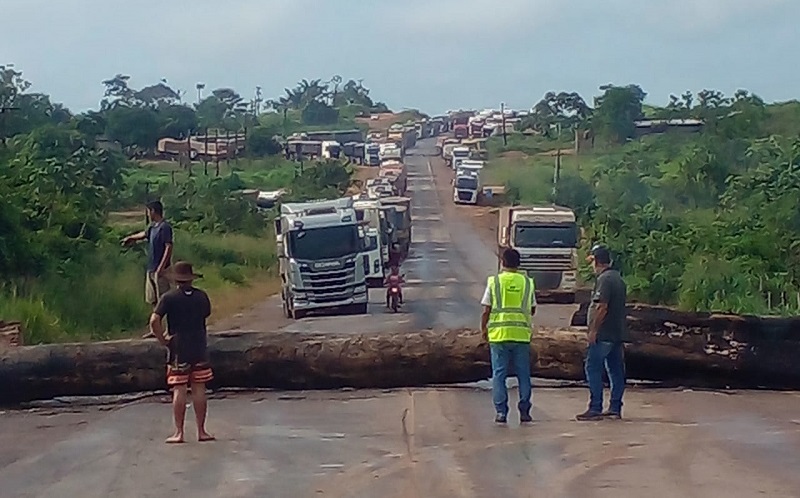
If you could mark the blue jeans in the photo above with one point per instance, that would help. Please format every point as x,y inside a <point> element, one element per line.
<point>518,354</point>
<point>611,357</point>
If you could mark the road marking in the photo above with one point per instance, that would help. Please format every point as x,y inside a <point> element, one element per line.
<point>442,260</point>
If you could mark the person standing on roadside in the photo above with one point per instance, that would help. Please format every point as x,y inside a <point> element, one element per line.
<point>509,303</point>
<point>606,320</point>
<point>159,253</point>
<point>186,310</point>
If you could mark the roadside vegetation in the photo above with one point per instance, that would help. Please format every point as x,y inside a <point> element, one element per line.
<point>69,197</point>
<point>703,220</point>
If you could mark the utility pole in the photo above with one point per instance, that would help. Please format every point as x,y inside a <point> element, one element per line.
<point>503,119</point>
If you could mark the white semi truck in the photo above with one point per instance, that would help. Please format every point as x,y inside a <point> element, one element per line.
<point>547,238</point>
<point>373,219</point>
<point>321,257</point>
<point>467,182</point>
<point>460,154</point>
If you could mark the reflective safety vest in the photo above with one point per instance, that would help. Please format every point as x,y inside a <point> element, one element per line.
<point>512,299</point>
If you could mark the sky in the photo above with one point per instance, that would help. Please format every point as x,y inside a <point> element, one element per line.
<point>434,55</point>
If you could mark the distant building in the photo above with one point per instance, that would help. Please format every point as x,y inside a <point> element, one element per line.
<point>652,126</point>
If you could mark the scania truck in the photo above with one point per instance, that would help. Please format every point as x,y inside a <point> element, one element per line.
<point>547,239</point>
<point>322,263</point>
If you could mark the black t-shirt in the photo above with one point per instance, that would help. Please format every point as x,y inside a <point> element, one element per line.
<point>611,290</point>
<point>186,311</point>
<point>158,234</point>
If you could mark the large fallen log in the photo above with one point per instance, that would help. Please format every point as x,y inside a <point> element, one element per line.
<point>692,349</point>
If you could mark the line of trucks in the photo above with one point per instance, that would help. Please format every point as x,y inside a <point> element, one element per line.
<point>353,145</point>
<point>546,236</point>
<point>331,251</point>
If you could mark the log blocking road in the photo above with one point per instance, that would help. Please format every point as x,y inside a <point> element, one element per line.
<point>412,442</point>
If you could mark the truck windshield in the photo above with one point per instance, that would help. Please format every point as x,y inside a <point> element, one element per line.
<point>324,243</point>
<point>546,235</point>
<point>460,153</point>
<point>467,183</point>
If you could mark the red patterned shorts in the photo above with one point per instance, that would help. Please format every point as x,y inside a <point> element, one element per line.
<point>182,374</point>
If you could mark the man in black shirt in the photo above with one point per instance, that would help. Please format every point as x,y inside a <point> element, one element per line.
<point>186,309</point>
<point>606,337</point>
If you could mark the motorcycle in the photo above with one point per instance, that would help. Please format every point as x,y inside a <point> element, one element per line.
<point>394,298</point>
<point>394,295</point>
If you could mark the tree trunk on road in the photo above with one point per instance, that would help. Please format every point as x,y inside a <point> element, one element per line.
<point>692,349</point>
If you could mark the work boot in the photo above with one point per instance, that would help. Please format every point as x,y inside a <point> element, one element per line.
<point>589,416</point>
<point>500,419</point>
<point>612,415</point>
<point>525,418</point>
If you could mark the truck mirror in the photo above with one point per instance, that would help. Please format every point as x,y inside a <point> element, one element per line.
<point>277,223</point>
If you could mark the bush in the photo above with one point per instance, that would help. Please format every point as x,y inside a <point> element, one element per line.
<point>232,273</point>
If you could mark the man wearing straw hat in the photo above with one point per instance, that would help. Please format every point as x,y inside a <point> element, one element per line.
<point>186,309</point>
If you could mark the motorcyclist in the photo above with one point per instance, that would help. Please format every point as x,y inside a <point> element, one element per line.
<point>394,279</point>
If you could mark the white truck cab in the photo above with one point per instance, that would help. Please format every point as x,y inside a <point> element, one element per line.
<point>460,154</point>
<point>467,182</point>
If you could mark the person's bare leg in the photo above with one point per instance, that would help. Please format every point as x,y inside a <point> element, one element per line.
<point>178,413</point>
<point>200,404</point>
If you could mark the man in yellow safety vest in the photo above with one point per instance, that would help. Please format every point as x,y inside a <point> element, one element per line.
<point>509,304</point>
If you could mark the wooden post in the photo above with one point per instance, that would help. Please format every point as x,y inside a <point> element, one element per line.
<point>189,153</point>
<point>205,151</point>
<point>227,147</point>
<point>216,150</point>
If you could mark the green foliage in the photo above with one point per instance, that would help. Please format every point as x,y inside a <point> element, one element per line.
<point>706,221</point>
<point>319,113</point>
<point>133,127</point>
<point>63,272</point>
<point>261,142</point>
<point>616,110</point>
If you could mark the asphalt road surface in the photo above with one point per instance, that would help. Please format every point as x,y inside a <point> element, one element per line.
<point>412,443</point>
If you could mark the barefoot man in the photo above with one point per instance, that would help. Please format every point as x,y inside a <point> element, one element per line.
<point>186,309</point>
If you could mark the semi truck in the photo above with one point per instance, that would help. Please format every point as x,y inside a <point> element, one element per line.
<point>400,219</point>
<point>322,264</point>
<point>373,219</point>
<point>547,239</point>
<point>331,149</point>
<point>372,154</point>
<point>460,154</point>
<point>467,182</point>
<point>461,131</point>
<point>476,127</point>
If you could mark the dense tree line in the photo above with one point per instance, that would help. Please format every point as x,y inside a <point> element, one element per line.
<point>704,220</point>
<point>62,271</point>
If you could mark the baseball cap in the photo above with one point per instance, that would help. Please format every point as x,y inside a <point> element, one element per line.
<point>600,254</point>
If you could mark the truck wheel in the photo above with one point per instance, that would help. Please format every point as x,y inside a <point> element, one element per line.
<point>286,309</point>
<point>357,309</point>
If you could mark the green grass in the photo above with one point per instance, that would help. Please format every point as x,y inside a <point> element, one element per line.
<point>103,297</point>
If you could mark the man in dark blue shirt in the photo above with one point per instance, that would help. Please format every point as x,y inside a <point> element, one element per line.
<point>607,334</point>
<point>159,253</point>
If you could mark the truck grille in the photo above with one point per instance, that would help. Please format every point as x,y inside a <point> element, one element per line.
<point>546,280</point>
<point>336,283</point>
<point>546,262</point>
<point>464,195</point>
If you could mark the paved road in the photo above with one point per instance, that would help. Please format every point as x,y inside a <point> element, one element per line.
<point>413,443</point>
